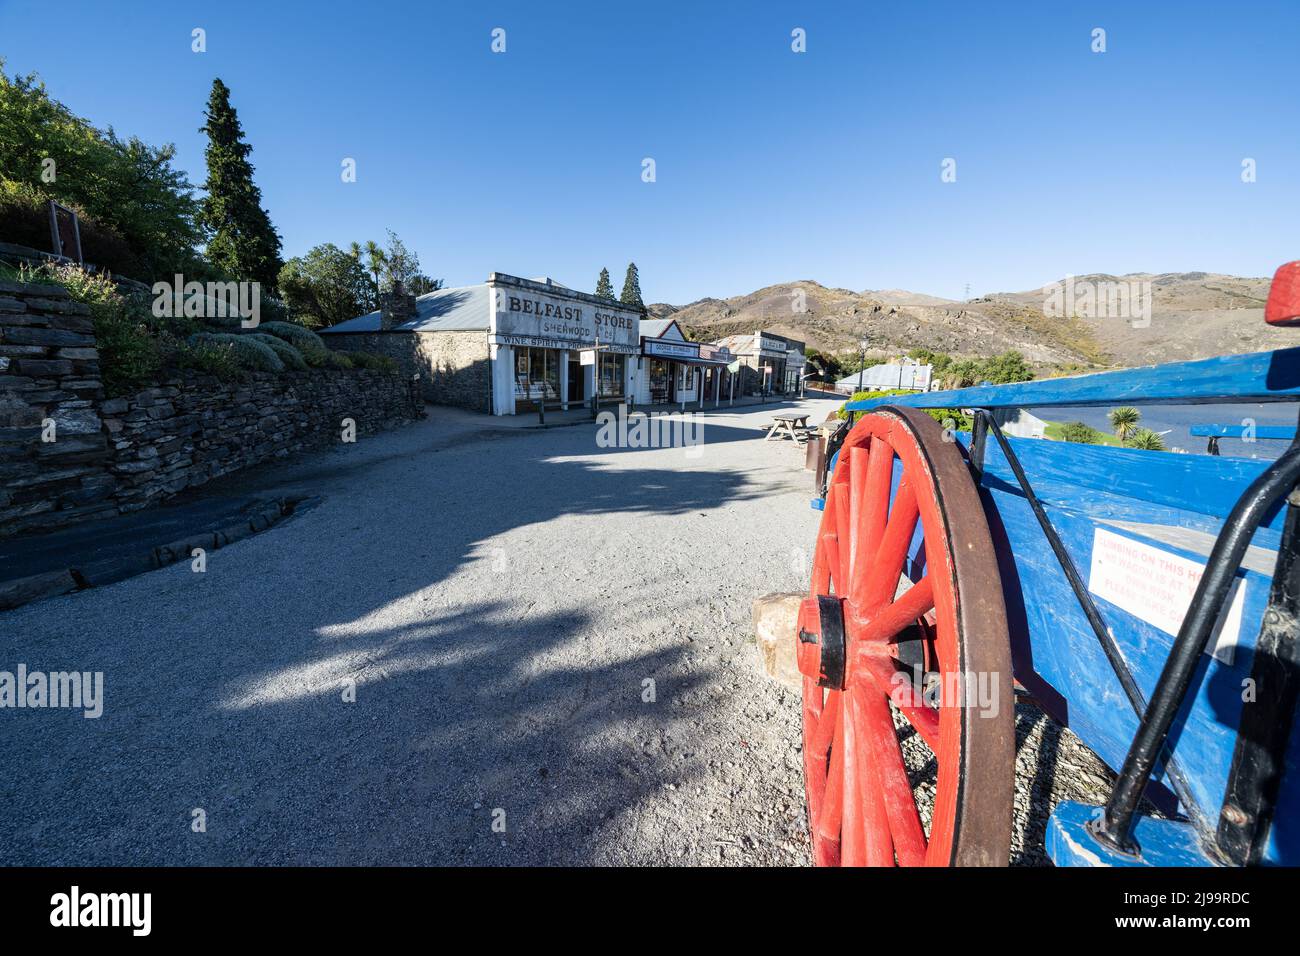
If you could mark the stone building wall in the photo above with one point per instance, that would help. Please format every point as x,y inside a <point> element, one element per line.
<point>454,367</point>
<point>67,454</point>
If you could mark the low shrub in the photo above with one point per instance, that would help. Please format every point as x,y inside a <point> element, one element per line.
<point>209,358</point>
<point>311,345</point>
<point>246,351</point>
<point>130,355</point>
<point>864,396</point>
<point>289,355</point>
<point>338,360</point>
<point>378,363</point>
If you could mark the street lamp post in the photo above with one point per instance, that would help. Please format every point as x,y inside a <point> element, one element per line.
<point>863,367</point>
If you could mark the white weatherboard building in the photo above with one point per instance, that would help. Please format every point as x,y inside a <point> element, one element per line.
<point>672,369</point>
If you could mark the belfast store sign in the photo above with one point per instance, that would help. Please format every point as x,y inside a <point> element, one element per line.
<point>521,316</point>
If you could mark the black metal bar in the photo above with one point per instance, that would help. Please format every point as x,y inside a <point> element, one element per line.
<point>978,442</point>
<point>1113,654</point>
<point>1265,727</point>
<point>1114,828</point>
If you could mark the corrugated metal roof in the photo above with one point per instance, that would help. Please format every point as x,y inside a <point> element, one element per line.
<point>653,328</point>
<point>465,309</point>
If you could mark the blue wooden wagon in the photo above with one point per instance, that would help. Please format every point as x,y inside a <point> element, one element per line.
<point>1147,600</point>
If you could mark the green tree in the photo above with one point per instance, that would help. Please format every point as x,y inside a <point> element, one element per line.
<point>139,214</point>
<point>1147,440</point>
<point>375,266</point>
<point>1079,432</point>
<point>1124,421</point>
<point>324,287</point>
<point>421,284</point>
<point>1007,367</point>
<point>244,244</point>
<point>400,263</point>
<point>632,288</point>
<point>603,287</point>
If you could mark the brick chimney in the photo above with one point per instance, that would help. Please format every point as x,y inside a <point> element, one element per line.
<point>396,307</point>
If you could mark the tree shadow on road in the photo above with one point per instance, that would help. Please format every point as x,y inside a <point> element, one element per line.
<point>225,690</point>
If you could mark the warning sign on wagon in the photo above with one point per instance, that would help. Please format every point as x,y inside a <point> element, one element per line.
<point>1157,587</point>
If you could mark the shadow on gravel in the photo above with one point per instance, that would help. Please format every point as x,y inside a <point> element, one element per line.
<point>225,691</point>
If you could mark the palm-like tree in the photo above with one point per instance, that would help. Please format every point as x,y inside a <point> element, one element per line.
<point>1147,440</point>
<point>1124,421</point>
<point>375,261</point>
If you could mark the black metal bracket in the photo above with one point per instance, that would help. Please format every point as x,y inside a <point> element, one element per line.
<point>1265,726</point>
<point>984,424</point>
<point>1114,828</point>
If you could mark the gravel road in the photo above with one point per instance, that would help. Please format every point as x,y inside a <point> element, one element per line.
<point>549,645</point>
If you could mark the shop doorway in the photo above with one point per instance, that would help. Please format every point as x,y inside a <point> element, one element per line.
<point>576,377</point>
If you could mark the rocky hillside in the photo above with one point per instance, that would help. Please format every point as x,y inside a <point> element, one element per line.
<point>1191,315</point>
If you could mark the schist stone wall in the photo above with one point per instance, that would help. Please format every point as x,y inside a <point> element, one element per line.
<point>67,454</point>
<point>453,366</point>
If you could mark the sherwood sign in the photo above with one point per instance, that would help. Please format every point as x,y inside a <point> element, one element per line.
<point>523,316</point>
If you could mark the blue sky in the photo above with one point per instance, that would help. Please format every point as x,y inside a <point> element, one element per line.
<point>771,165</point>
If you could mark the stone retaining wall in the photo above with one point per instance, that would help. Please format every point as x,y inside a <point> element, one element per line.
<point>67,454</point>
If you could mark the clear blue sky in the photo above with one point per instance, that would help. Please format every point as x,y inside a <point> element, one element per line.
<point>771,165</point>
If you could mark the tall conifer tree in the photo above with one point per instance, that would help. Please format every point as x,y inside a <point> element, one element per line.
<point>632,288</point>
<point>244,244</point>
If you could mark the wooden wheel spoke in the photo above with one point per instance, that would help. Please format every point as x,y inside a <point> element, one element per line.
<point>832,811</point>
<point>866,840</point>
<point>869,488</point>
<point>882,582</point>
<point>883,677</point>
<point>888,623</point>
<point>885,757</point>
<point>840,570</point>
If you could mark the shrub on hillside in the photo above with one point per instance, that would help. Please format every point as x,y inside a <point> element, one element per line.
<point>311,345</point>
<point>289,355</point>
<point>245,349</point>
<point>25,221</point>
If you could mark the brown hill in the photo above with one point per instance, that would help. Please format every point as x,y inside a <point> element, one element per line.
<point>1192,315</point>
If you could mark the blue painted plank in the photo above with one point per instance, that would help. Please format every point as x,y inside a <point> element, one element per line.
<point>1155,487</point>
<point>1257,377</point>
<point>1286,432</point>
<point>1055,653</point>
<point>1162,842</point>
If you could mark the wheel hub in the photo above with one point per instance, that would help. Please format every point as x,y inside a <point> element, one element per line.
<point>822,647</point>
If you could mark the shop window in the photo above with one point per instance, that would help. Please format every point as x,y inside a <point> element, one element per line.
<point>611,375</point>
<point>537,374</point>
<point>660,380</point>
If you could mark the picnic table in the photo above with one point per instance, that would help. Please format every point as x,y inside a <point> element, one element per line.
<point>792,425</point>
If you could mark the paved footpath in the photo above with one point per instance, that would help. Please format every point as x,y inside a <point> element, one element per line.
<point>542,634</point>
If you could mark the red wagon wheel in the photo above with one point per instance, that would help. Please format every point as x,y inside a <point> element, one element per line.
<point>874,628</point>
